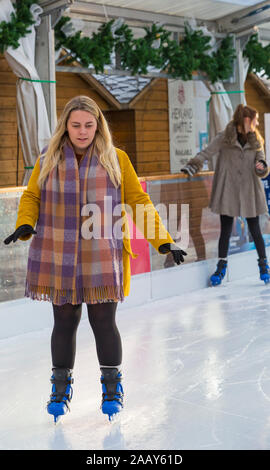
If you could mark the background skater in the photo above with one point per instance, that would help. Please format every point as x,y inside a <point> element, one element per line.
<point>237,189</point>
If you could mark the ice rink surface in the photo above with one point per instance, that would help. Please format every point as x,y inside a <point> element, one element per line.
<point>196,373</point>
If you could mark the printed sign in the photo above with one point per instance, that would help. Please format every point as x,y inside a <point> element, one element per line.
<point>182,123</point>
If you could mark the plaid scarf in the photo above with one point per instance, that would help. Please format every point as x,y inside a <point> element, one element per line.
<point>64,264</point>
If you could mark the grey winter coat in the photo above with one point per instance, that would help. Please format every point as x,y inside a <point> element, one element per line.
<point>237,189</point>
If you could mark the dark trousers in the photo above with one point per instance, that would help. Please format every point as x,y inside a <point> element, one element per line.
<point>102,320</point>
<point>226,224</point>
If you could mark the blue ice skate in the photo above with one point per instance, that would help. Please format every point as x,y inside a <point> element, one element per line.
<point>219,274</point>
<point>61,393</point>
<point>112,396</point>
<point>264,270</point>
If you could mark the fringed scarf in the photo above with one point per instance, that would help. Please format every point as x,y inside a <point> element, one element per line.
<point>66,264</point>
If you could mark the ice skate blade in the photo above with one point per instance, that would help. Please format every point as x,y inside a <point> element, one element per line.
<point>57,419</point>
<point>114,418</point>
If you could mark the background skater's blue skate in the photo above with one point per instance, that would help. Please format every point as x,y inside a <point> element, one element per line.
<point>264,270</point>
<point>219,274</point>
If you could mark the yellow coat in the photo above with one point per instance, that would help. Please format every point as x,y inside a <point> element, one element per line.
<point>148,222</point>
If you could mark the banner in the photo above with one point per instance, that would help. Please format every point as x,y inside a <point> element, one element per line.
<point>182,123</point>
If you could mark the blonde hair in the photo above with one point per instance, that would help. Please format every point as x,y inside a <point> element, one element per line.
<point>242,112</point>
<point>102,142</point>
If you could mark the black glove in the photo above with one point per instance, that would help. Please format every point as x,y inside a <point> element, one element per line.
<point>176,252</point>
<point>22,230</point>
<point>189,170</point>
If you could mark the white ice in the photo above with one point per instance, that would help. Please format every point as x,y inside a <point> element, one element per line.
<point>196,373</point>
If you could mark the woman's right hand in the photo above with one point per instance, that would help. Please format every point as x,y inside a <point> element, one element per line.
<point>20,231</point>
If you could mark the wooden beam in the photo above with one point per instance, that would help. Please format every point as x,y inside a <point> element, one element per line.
<point>245,18</point>
<point>45,65</point>
<point>50,6</point>
<point>120,72</point>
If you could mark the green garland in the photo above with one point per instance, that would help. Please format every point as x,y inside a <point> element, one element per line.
<point>136,55</point>
<point>154,49</point>
<point>258,56</point>
<point>96,50</point>
<point>192,54</point>
<point>18,26</point>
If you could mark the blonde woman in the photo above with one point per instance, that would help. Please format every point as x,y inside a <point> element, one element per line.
<point>237,189</point>
<point>79,183</point>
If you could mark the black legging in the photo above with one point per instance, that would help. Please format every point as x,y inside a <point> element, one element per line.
<point>102,320</point>
<point>226,223</point>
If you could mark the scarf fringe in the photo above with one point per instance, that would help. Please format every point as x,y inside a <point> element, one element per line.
<point>91,295</point>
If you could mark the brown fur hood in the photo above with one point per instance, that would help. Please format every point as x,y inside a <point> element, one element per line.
<point>230,137</point>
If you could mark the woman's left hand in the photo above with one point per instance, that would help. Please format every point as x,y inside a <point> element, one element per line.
<point>178,254</point>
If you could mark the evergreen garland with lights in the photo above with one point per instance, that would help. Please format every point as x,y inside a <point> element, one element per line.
<point>155,49</point>
<point>95,50</point>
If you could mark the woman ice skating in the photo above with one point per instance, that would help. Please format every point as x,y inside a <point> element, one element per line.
<point>237,189</point>
<point>79,184</point>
